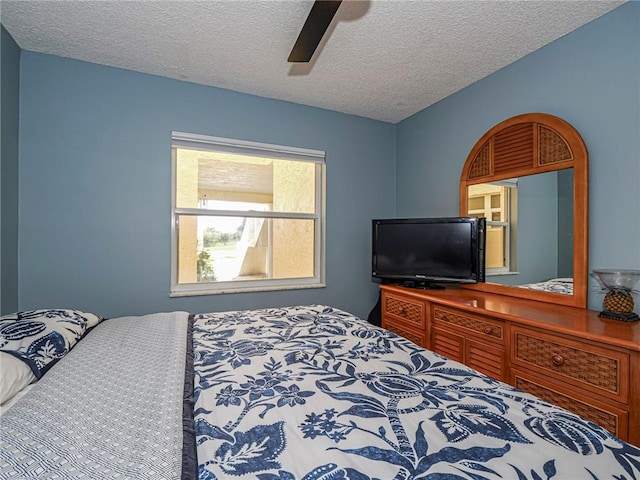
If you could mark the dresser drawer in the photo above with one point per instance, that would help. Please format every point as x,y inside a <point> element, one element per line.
<point>415,337</point>
<point>615,420</point>
<point>485,328</point>
<point>406,309</point>
<point>596,369</point>
<point>485,358</point>
<point>448,344</point>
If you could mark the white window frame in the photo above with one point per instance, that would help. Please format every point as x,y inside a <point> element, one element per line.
<point>509,214</point>
<point>243,147</point>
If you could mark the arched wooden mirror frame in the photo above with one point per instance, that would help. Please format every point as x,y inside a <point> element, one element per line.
<point>524,145</point>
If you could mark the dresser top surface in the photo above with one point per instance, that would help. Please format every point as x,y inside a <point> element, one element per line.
<point>569,320</point>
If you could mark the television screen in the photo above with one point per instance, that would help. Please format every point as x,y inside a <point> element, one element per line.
<point>428,249</point>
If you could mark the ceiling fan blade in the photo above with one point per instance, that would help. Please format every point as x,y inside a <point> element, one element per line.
<point>313,30</point>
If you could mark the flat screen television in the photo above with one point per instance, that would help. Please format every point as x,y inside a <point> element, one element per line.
<point>421,252</point>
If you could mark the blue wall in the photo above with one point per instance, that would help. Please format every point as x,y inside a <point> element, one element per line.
<point>9,111</point>
<point>565,223</point>
<point>537,228</point>
<point>95,177</point>
<point>591,78</point>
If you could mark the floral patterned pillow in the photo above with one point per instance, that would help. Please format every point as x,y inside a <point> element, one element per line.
<point>42,337</point>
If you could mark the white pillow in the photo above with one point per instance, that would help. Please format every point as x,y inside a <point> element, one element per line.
<point>14,376</point>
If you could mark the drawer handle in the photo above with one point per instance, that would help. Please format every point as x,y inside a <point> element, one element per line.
<point>488,330</point>
<point>557,359</point>
<point>402,311</point>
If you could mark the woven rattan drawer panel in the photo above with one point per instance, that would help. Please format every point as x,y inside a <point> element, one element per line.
<point>599,370</point>
<point>489,329</point>
<point>403,332</point>
<point>406,309</point>
<point>612,419</point>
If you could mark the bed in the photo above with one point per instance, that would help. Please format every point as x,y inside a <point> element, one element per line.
<point>305,392</point>
<point>563,286</point>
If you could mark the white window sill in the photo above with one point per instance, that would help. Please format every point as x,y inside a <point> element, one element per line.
<point>265,288</point>
<point>499,274</point>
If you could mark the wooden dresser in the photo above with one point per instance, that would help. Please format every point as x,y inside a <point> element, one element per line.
<point>567,356</point>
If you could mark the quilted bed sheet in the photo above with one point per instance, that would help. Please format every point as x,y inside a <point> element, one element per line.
<point>315,393</point>
<point>112,408</point>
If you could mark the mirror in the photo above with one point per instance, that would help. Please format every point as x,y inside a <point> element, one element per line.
<point>528,177</point>
<point>527,215</point>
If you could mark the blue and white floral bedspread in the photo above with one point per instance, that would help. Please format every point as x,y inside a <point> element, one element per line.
<point>314,393</point>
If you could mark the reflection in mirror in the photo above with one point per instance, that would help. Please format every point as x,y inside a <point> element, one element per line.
<point>529,241</point>
<point>498,203</point>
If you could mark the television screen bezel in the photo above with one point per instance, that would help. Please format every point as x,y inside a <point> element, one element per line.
<point>424,279</point>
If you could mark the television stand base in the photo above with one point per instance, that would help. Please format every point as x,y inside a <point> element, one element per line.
<point>422,285</point>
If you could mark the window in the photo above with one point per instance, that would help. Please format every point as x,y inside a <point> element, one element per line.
<point>246,216</point>
<point>497,202</point>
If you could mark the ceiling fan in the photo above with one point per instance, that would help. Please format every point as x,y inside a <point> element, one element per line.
<point>313,30</point>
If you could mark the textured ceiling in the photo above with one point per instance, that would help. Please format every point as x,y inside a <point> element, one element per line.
<point>381,59</point>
